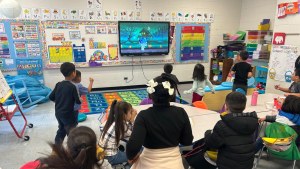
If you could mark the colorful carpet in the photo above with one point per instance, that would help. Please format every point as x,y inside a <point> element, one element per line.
<point>94,103</point>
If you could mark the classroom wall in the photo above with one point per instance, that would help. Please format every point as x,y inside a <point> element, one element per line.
<point>254,11</point>
<point>289,24</point>
<point>227,19</point>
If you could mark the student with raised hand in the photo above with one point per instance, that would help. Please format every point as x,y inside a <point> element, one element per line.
<point>160,129</point>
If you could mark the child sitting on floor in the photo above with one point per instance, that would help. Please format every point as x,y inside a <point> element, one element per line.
<point>233,135</point>
<point>117,127</point>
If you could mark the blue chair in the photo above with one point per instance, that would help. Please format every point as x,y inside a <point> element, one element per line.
<point>81,117</point>
<point>241,91</point>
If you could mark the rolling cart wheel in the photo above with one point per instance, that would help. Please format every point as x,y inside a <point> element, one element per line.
<point>30,125</point>
<point>26,138</point>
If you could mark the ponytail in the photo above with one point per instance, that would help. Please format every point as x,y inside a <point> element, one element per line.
<point>111,118</point>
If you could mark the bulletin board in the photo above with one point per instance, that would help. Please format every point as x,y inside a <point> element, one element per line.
<point>192,43</point>
<point>88,44</point>
<point>20,47</point>
<point>282,62</point>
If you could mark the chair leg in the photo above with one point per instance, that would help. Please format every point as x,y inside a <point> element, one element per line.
<point>294,164</point>
<point>258,158</point>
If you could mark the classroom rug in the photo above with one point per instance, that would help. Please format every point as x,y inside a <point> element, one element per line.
<point>95,102</point>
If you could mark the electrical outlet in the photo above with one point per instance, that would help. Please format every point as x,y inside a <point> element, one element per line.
<point>125,78</point>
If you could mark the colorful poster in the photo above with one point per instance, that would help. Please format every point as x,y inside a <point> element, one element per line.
<point>138,15</point>
<point>279,38</point>
<point>90,30</point>
<point>46,14</point>
<point>193,17</point>
<point>96,45</point>
<point>180,16</point>
<point>138,4</point>
<point>64,14</point>
<point>187,17</point>
<point>31,67</point>
<point>174,17</point>
<point>152,16</point>
<point>199,17</point>
<point>36,13</point>
<point>75,35</point>
<point>113,52</point>
<point>79,53</point>
<point>33,49</point>
<point>26,13</point>
<point>123,15</point>
<point>98,56</point>
<point>112,29</point>
<point>281,11</point>
<point>20,48</point>
<point>58,36</point>
<point>101,30</point>
<point>18,31</point>
<point>115,15</point>
<point>211,18</point>
<point>90,4</point>
<point>167,16</point>
<point>131,15</point>
<point>99,15</point>
<point>60,54</point>
<point>192,43</point>
<point>160,16</point>
<point>2,29</point>
<point>291,8</point>
<point>205,17</point>
<point>4,48</point>
<point>91,15</point>
<point>82,14</point>
<point>55,14</point>
<point>31,31</point>
<point>98,4</point>
<point>107,15</point>
<point>74,14</point>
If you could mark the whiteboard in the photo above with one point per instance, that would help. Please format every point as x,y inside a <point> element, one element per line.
<point>282,61</point>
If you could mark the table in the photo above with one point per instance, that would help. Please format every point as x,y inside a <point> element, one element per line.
<point>261,108</point>
<point>202,120</point>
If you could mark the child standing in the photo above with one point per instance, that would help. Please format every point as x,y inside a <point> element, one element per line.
<point>65,95</point>
<point>81,89</point>
<point>294,89</point>
<point>242,71</point>
<point>117,127</point>
<point>233,135</point>
<point>199,84</point>
<point>168,68</point>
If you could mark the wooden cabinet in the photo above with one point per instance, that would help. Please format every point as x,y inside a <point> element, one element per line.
<point>219,68</point>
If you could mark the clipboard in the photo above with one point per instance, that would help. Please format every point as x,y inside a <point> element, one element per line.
<point>5,91</point>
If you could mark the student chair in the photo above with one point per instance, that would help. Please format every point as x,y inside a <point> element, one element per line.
<point>200,104</point>
<point>81,117</point>
<point>280,143</point>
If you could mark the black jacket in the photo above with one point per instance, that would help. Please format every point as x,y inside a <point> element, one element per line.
<point>233,136</point>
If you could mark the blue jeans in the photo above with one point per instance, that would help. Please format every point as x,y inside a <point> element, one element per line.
<point>119,158</point>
